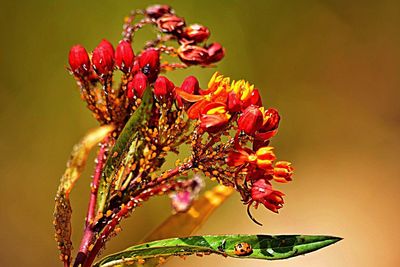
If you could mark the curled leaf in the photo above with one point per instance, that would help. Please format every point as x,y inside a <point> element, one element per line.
<point>75,166</point>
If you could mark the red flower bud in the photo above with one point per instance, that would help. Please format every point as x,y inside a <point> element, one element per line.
<point>170,23</point>
<point>271,120</point>
<point>103,58</point>
<point>157,11</point>
<point>195,33</point>
<point>283,171</point>
<point>107,45</point>
<point>233,101</point>
<point>254,99</point>
<point>79,60</point>
<point>163,87</point>
<point>149,63</point>
<point>137,86</point>
<point>251,120</point>
<point>216,52</point>
<point>124,56</point>
<point>191,86</point>
<point>193,55</point>
<point>213,123</point>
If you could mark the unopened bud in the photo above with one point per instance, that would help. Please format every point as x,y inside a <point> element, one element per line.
<point>79,60</point>
<point>195,33</point>
<point>163,87</point>
<point>193,55</point>
<point>103,58</point>
<point>156,11</point>
<point>149,63</point>
<point>170,23</point>
<point>124,56</point>
<point>251,120</point>
<point>216,52</point>
<point>137,86</point>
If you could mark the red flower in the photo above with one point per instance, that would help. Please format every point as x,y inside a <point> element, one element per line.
<point>262,192</point>
<point>191,86</point>
<point>163,88</point>
<point>195,33</point>
<point>271,120</point>
<point>216,92</point>
<point>157,11</point>
<point>79,60</point>
<point>254,99</point>
<point>214,117</point>
<point>170,23</point>
<point>216,52</point>
<point>192,54</point>
<point>103,58</point>
<point>283,171</point>
<point>124,56</point>
<point>251,120</point>
<point>149,63</point>
<point>269,128</point>
<point>137,86</point>
<point>262,158</point>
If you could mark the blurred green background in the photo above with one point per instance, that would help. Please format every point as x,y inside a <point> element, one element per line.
<point>330,67</point>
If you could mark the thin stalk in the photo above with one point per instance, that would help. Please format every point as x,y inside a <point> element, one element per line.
<point>88,233</point>
<point>150,189</point>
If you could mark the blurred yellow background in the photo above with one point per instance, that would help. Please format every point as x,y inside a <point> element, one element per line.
<point>330,67</point>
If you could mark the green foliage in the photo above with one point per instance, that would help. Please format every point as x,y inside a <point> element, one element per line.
<point>263,247</point>
<point>128,135</point>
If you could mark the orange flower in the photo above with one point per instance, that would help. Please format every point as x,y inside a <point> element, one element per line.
<point>283,172</point>
<point>262,158</point>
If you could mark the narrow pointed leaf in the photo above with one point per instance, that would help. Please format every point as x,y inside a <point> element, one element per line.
<point>263,247</point>
<point>119,150</point>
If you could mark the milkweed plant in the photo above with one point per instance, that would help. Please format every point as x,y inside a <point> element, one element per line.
<point>146,117</point>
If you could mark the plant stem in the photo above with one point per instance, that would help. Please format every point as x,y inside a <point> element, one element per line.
<point>150,189</point>
<point>88,232</point>
<point>95,183</point>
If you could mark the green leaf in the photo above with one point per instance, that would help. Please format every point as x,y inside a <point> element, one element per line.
<point>263,247</point>
<point>119,150</point>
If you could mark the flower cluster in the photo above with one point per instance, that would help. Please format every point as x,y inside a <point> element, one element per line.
<point>225,125</point>
<point>114,105</point>
<point>237,106</point>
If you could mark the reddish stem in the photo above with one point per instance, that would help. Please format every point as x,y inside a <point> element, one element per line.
<point>88,233</point>
<point>95,183</point>
<point>151,189</point>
